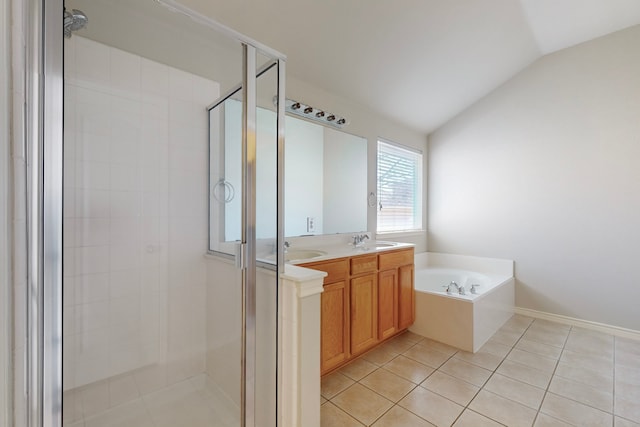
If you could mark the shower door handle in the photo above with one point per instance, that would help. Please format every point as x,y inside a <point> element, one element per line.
<point>241,256</point>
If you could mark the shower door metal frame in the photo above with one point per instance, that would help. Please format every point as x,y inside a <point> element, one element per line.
<point>44,86</point>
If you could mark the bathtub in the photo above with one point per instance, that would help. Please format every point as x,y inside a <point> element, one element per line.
<point>463,321</point>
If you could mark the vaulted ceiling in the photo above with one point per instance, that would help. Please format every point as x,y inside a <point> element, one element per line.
<point>420,62</point>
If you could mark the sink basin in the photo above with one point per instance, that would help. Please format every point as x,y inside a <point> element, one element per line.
<point>382,244</point>
<point>300,254</point>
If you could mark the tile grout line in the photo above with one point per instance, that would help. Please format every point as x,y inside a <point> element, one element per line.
<point>491,376</point>
<point>546,391</point>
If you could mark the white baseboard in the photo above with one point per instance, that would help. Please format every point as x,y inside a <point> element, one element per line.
<point>586,324</point>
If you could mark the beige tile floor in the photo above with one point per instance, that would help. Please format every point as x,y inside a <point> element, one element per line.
<point>530,373</point>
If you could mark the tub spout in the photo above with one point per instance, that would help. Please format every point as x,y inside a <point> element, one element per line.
<point>453,285</point>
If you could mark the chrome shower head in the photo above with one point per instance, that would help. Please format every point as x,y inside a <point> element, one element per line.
<point>74,21</point>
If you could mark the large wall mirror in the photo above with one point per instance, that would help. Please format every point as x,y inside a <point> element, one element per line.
<point>325,176</point>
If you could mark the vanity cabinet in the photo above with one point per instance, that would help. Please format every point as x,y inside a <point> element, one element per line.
<point>366,299</point>
<point>334,313</point>
<point>396,311</point>
<point>363,303</point>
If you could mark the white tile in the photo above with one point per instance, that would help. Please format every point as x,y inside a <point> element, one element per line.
<point>92,203</point>
<point>473,419</point>
<point>69,233</point>
<point>93,175</point>
<point>544,420</point>
<point>533,360</point>
<point>72,409</point>
<point>126,231</point>
<point>525,374</point>
<point>205,91</point>
<point>92,288</point>
<point>68,262</point>
<point>502,410</point>
<point>180,84</point>
<point>125,204</point>
<point>552,337</point>
<point>92,147</point>
<point>124,70</point>
<point>95,398</point>
<point>125,178</point>
<point>599,380</point>
<point>124,357</point>
<point>70,58</point>
<point>126,149</point>
<point>92,316</point>
<point>573,412</point>
<point>92,259</point>
<point>92,231</point>
<point>125,257</point>
<point>151,205</point>
<point>92,118</point>
<point>125,309</point>
<point>621,422</point>
<point>450,387</point>
<point>132,414</point>
<point>122,389</point>
<point>151,378</point>
<point>601,364</point>
<point>124,283</point>
<point>68,291</point>
<point>92,61</point>
<point>582,393</point>
<point>154,130</point>
<point>154,77</point>
<point>69,202</point>
<point>466,371</point>
<point>539,348</point>
<point>627,407</point>
<point>186,112</point>
<point>432,407</point>
<point>517,391</point>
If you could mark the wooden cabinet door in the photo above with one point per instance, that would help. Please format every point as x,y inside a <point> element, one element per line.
<point>387,303</point>
<point>334,318</point>
<point>364,319</point>
<point>406,305</point>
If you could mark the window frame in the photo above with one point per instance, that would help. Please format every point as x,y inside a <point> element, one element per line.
<point>418,196</point>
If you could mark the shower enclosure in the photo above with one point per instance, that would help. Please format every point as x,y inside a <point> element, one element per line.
<point>135,319</point>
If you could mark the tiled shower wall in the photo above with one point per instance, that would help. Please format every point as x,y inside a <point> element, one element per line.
<point>135,224</point>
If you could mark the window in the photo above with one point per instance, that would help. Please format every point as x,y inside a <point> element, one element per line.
<point>399,188</point>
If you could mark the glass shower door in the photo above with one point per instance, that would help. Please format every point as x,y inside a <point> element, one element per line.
<point>156,332</point>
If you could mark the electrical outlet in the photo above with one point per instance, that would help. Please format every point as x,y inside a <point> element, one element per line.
<point>311,224</point>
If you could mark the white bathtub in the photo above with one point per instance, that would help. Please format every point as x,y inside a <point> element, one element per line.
<point>463,321</point>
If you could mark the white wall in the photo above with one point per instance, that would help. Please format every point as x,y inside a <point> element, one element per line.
<point>545,171</point>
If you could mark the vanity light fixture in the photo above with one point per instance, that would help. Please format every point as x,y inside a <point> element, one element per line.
<point>311,113</point>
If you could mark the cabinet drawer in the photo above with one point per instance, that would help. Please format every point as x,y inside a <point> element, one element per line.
<point>396,259</point>
<point>336,269</point>
<point>364,264</point>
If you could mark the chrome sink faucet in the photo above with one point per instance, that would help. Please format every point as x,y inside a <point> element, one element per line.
<point>358,239</point>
